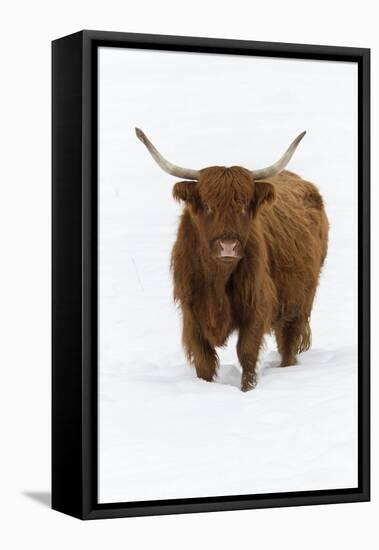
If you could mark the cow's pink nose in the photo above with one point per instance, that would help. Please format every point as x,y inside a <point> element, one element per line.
<point>228,248</point>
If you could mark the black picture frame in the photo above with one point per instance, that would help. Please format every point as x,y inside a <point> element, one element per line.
<point>74,272</point>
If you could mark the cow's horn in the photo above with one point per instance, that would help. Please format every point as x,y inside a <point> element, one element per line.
<point>178,171</point>
<point>281,163</point>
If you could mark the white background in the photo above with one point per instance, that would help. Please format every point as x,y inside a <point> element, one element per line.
<point>25,273</point>
<point>163,432</point>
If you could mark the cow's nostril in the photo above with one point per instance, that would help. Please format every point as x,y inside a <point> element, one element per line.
<point>230,244</point>
<point>228,247</point>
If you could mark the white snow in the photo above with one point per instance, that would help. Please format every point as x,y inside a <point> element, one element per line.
<point>162,432</point>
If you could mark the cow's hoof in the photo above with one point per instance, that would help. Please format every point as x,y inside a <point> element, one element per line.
<point>289,363</point>
<point>206,377</point>
<point>248,385</point>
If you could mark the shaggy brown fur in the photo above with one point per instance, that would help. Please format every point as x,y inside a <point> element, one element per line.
<point>282,230</point>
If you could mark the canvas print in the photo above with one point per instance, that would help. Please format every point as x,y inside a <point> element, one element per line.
<point>227,275</point>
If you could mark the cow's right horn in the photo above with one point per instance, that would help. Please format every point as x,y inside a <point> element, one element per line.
<point>178,171</point>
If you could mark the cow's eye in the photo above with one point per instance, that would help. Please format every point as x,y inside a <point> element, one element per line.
<point>206,206</point>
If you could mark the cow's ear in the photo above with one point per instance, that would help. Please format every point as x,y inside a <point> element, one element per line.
<point>264,193</point>
<point>185,191</point>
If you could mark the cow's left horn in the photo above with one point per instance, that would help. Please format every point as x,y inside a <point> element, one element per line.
<point>281,163</point>
<point>178,171</point>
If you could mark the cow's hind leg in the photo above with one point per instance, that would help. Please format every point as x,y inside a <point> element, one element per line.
<point>198,350</point>
<point>293,337</point>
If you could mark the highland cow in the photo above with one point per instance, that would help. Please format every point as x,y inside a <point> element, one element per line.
<point>247,258</point>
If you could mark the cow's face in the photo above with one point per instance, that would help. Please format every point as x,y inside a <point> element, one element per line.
<point>223,204</point>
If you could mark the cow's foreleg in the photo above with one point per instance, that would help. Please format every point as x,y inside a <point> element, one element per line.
<point>198,350</point>
<point>248,346</point>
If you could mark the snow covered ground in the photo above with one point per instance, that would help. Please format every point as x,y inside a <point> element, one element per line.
<point>162,432</point>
